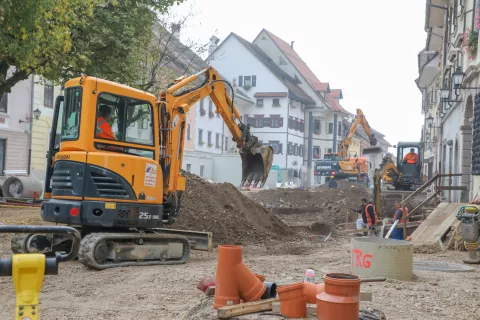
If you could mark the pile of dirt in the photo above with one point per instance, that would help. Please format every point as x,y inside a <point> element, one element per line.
<point>329,206</point>
<point>222,209</point>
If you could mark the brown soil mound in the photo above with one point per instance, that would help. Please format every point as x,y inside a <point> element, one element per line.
<point>222,209</point>
<point>331,206</point>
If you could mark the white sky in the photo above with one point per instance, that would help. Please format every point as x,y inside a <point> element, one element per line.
<point>366,48</point>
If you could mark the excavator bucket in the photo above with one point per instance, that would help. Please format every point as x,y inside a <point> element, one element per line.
<point>256,165</point>
<point>371,150</point>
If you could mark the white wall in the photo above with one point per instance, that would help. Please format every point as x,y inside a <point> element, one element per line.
<point>196,160</point>
<point>207,124</point>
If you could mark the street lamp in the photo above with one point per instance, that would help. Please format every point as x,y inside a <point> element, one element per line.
<point>445,92</point>
<point>36,115</point>
<point>457,77</point>
<point>429,121</point>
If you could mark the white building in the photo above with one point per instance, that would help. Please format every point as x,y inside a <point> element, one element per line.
<point>327,117</point>
<point>277,118</point>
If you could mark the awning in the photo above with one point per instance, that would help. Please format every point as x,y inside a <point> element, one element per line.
<point>429,72</point>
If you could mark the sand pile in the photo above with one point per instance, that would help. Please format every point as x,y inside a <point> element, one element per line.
<point>222,209</point>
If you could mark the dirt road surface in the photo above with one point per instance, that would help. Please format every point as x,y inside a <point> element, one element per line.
<point>169,292</point>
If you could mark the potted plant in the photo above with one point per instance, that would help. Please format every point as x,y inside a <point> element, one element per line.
<point>247,87</point>
<point>470,43</point>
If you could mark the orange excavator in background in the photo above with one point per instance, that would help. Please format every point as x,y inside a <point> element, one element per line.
<point>119,191</point>
<point>344,167</point>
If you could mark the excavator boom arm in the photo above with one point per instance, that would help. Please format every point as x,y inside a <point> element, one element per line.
<point>359,119</point>
<point>256,158</point>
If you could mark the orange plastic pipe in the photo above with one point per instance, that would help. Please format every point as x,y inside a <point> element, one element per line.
<point>341,299</point>
<point>311,290</point>
<point>234,280</point>
<point>293,303</point>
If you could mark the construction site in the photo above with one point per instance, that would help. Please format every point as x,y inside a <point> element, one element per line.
<point>144,175</point>
<point>283,232</point>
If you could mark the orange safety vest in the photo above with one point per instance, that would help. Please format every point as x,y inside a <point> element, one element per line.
<point>369,219</point>
<point>411,158</point>
<point>104,130</point>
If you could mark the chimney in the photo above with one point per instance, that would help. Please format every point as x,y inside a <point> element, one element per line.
<point>175,29</point>
<point>213,44</point>
<point>291,44</point>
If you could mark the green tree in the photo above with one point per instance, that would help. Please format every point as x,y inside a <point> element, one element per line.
<point>60,39</point>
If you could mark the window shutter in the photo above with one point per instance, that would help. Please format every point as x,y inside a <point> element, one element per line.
<point>254,81</point>
<point>240,81</point>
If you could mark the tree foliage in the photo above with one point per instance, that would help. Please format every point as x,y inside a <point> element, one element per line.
<point>60,39</point>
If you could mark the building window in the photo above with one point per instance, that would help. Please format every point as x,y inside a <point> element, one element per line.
<point>290,148</point>
<point>247,81</point>
<point>259,103</point>
<point>189,167</point>
<point>226,143</point>
<point>200,136</point>
<point>276,122</point>
<point>317,127</point>
<point>217,140</point>
<point>201,170</point>
<point>290,122</point>
<point>209,138</point>
<point>316,152</point>
<point>202,108</point>
<point>48,94</point>
<point>276,146</point>
<point>210,108</point>
<point>276,102</point>
<point>188,132</point>
<point>4,103</point>
<point>258,122</point>
<point>329,150</point>
<point>339,128</point>
<point>330,128</point>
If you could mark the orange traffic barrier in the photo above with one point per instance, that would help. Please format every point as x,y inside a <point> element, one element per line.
<point>341,299</point>
<point>234,280</point>
<point>311,290</point>
<point>293,303</point>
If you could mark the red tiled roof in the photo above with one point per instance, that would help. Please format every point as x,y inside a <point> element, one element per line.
<point>335,105</point>
<point>270,94</point>
<point>336,93</point>
<point>299,64</point>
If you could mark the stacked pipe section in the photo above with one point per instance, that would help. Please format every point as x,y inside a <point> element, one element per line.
<point>235,281</point>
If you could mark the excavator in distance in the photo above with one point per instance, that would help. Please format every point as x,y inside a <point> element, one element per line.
<point>340,165</point>
<point>119,191</point>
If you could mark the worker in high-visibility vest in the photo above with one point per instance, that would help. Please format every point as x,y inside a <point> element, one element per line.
<point>397,233</point>
<point>369,217</point>
<point>104,130</point>
<point>411,157</point>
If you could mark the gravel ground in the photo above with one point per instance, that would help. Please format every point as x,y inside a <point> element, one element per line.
<point>169,292</point>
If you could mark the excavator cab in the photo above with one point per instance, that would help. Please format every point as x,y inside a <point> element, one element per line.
<point>411,170</point>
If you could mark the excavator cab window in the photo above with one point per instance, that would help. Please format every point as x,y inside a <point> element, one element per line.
<point>127,120</point>
<point>69,119</point>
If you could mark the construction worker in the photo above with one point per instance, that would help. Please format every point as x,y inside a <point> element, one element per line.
<point>104,130</point>
<point>411,157</point>
<point>368,219</point>
<point>397,233</point>
<point>332,184</point>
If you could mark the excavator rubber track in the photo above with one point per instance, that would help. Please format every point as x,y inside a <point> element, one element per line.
<point>110,250</point>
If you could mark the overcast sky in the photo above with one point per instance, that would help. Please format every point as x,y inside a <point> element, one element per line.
<point>366,48</point>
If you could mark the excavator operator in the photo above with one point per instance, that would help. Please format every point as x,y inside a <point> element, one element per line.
<point>104,130</point>
<point>411,157</point>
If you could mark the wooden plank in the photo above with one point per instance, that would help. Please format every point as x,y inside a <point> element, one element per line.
<point>422,228</point>
<point>245,308</point>
<point>450,188</point>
